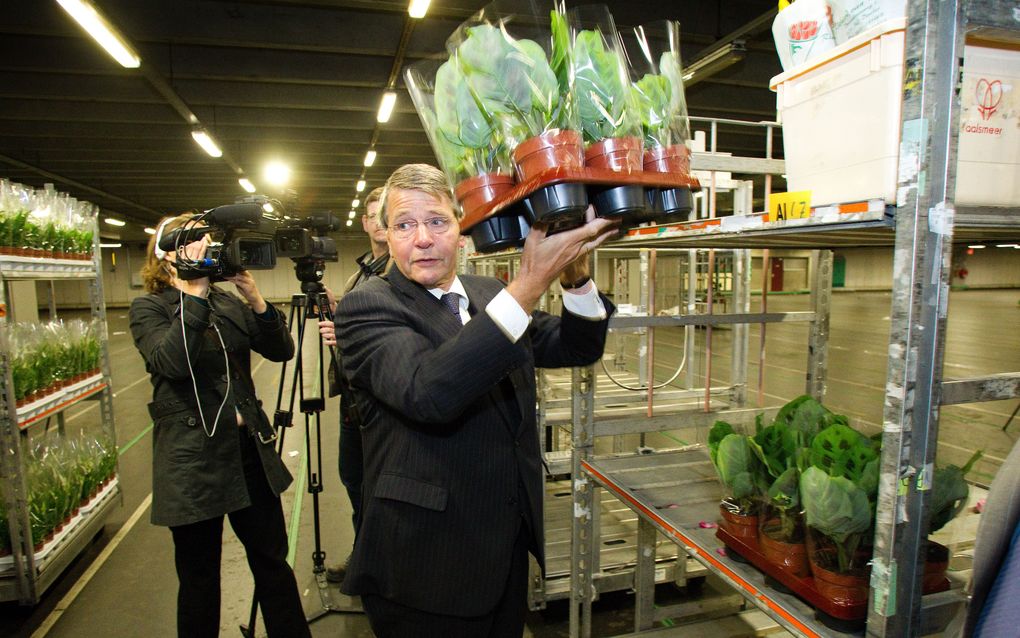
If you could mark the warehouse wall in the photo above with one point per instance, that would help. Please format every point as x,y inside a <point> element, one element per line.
<point>871,268</point>
<point>122,283</point>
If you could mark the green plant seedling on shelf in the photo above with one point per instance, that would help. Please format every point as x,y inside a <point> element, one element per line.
<point>738,466</point>
<point>838,509</point>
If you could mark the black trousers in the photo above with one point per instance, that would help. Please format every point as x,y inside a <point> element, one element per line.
<point>393,620</point>
<point>260,528</point>
<point>352,464</point>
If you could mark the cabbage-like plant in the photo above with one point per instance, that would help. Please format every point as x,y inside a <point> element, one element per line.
<point>949,492</point>
<point>740,471</point>
<point>838,509</point>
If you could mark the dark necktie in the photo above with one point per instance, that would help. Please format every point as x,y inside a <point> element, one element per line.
<point>452,302</point>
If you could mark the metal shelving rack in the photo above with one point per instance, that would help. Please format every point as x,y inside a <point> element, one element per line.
<point>921,229</point>
<point>29,573</point>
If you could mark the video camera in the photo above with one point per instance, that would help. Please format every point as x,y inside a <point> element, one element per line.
<point>249,235</point>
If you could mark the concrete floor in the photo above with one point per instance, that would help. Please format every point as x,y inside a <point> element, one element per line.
<point>132,589</point>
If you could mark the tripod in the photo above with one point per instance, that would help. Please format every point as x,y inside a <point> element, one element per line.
<point>312,303</point>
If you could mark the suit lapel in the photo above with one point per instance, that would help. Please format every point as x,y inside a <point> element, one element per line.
<point>479,296</point>
<point>432,311</point>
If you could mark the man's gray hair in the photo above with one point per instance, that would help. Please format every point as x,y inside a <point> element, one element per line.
<point>423,178</point>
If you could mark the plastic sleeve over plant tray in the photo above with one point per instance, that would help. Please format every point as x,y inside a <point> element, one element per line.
<point>658,87</point>
<point>44,223</point>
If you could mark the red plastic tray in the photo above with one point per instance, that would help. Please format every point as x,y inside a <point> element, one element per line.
<point>802,587</point>
<point>597,176</point>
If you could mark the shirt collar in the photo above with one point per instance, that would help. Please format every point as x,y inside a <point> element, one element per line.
<point>456,287</point>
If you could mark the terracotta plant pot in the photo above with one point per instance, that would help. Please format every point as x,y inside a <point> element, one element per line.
<point>739,525</point>
<point>621,154</point>
<point>555,148</point>
<point>936,562</point>
<point>477,191</point>
<point>670,202</point>
<point>790,557</point>
<point>845,590</point>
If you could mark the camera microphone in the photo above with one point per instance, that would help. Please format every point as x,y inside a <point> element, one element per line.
<point>230,215</point>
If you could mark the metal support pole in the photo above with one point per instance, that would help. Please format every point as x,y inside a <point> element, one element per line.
<point>766,266</point>
<point>650,374</point>
<point>920,297</point>
<point>583,540</point>
<point>818,333</point>
<point>644,576</point>
<point>741,305</point>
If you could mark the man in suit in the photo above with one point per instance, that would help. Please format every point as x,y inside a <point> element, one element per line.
<point>370,264</point>
<point>442,368</point>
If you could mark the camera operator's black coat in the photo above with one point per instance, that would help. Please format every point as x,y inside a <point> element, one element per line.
<point>196,477</point>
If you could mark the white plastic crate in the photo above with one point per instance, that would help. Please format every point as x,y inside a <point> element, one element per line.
<point>841,122</point>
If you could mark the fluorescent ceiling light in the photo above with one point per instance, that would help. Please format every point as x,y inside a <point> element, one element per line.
<point>356,203</point>
<point>714,62</point>
<point>977,246</point>
<point>102,32</point>
<point>351,215</point>
<point>246,184</point>
<point>370,158</point>
<point>150,231</point>
<point>277,173</point>
<point>116,245</point>
<point>350,221</point>
<point>206,142</point>
<point>418,8</point>
<point>114,222</point>
<point>996,245</point>
<point>268,207</point>
<point>389,100</point>
<point>360,186</point>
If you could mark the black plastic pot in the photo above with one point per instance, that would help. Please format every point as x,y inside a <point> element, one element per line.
<point>618,201</point>
<point>561,206</point>
<point>673,204</point>
<point>499,232</point>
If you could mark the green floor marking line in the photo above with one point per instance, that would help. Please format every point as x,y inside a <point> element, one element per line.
<point>127,446</point>
<point>295,514</point>
<point>670,436</point>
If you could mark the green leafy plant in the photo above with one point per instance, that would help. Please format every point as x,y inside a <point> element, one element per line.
<point>512,81</point>
<point>838,509</point>
<point>783,456</point>
<point>949,492</point>
<point>604,100</point>
<point>740,471</point>
<point>659,93</point>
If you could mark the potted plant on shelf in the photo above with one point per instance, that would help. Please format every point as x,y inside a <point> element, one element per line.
<point>606,110</point>
<point>662,107</point>
<point>783,452</point>
<point>838,492</point>
<point>949,493</point>
<point>741,473</point>
<point>471,149</point>
<point>527,92</point>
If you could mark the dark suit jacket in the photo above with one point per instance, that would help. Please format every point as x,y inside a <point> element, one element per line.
<point>452,459</point>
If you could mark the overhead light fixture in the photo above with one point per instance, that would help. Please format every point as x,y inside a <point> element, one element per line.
<point>114,245</point>
<point>277,173</point>
<point>370,158</point>
<point>351,215</point>
<point>114,222</point>
<point>356,203</point>
<point>418,8</point>
<point>389,100</point>
<point>268,207</point>
<point>1006,245</point>
<point>977,246</point>
<point>246,184</point>
<point>360,185</point>
<point>150,231</point>
<point>350,221</point>
<point>714,62</point>
<point>203,139</point>
<point>102,32</point>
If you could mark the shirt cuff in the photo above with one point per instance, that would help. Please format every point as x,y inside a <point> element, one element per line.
<point>508,315</point>
<point>585,302</point>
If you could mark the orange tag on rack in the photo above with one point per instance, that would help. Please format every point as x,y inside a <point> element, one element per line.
<point>795,205</point>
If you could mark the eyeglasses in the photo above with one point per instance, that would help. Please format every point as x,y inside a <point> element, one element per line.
<point>407,229</point>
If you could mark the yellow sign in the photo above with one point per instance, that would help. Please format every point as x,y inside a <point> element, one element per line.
<point>796,205</point>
